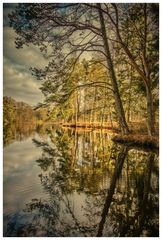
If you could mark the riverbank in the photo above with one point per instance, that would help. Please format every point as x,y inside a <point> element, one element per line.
<point>92,125</point>
<point>137,140</point>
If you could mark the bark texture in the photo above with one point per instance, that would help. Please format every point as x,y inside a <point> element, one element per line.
<point>118,102</point>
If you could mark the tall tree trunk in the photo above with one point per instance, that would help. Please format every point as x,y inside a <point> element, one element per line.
<point>144,74</point>
<point>103,116</point>
<point>94,106</point>
<point>76,107</point>
<point>84,108</point>
<point>150,112</point>
<point>110,117</point>
<point>129,97</point>
<point>118,102</point>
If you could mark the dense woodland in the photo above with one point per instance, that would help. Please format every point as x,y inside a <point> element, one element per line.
<point>103,61</point>
<point>20,119</point>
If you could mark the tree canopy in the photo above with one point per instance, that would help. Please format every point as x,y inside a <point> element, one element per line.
<point>122,39</point>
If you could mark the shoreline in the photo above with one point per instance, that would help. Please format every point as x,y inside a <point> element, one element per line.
<point>137,140</point>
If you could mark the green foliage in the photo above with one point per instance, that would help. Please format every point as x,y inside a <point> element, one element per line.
<point>79,90</point>
<point>72,171</point>
<point>9,110</point>
<point>20,118</point>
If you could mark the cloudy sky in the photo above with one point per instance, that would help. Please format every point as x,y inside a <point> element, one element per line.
<point>18,82</point>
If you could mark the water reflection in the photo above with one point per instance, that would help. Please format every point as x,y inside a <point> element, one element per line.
<point>94,188</point>
<point>12,132</point>
<point>119,164</point>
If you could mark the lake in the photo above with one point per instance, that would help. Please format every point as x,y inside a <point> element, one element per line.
<point>64,182</point>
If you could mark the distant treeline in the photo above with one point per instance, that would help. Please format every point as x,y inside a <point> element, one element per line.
<point>21,113</point>
<point>20,119</point>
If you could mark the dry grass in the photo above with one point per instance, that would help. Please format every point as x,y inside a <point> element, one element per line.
<point>137,137</point>
<point>105,125</point>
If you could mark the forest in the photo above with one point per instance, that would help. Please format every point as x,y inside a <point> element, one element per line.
<point>103,62</point>
<point>21,119</point>
<point>83,161</point>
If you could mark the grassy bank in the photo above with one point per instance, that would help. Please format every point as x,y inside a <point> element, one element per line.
<point>137,140</point>
<point>93,125</point>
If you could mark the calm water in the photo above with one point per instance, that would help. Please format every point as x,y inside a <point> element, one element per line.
<point>61,182</point>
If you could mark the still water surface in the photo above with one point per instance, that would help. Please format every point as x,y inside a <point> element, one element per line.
<point>61,182</point>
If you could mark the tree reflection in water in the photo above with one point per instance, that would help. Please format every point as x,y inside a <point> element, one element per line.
<point>134,209</point>
<point>96,188</point>
<point>119,164</point>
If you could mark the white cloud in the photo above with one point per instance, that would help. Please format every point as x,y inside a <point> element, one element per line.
<point>18,82</point>
<point>17,79</point>
<point>26,56</point>
<point>20,85</point>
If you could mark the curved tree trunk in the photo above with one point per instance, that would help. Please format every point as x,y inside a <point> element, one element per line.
<point>118,102</point>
